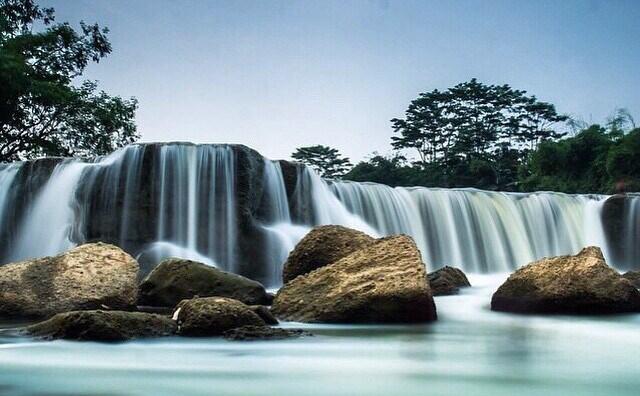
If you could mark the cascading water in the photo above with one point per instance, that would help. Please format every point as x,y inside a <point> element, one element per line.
<point>7,175</point>
<point>479,230</point>
<point>212,204</point>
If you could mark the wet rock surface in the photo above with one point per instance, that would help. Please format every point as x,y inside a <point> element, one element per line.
<point>212,316</point>
<point>90,276</point>
<point>384,282</point>
<point>633,277</point>
<point>580,284</point>
<point>175,280</point>
<point>447,280</point>
<point>103,326</point>
<point>321,246</point>
<point>263,333</point>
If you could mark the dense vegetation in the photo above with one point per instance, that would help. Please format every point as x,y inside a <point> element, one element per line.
<point>498,138</point>
<point>42,111</point>
<point>327,161</point>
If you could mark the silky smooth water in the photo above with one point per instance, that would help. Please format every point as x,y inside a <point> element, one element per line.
<point>468,351</point>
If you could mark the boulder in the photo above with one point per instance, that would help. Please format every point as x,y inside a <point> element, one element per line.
<point>212,316</point>
<point>262,333</point>
<point>90,276</point>
<point>384,282</point>
<point>174,280</point>
<point>447,280</point>
<point>265,314</point>
<point>633,277</point>
<point>580,284</point>
<point>103,326</point>
<point>321,246</point>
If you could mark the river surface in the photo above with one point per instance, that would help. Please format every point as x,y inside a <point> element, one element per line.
<point>469,351</point>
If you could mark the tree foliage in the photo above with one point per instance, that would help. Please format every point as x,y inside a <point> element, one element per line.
<point>475,132</point>
<point>496,137</point>
<point>327,161</point>
<point>41,111</point>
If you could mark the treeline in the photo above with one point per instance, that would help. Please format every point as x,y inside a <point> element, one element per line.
<point>495,137</point>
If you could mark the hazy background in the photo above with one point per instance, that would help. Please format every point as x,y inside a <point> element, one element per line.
<point>276,75</point>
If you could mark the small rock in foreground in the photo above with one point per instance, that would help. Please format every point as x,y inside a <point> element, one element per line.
<point>258,333</point>
<point>212,316</point>
<point>103,326</point>
<point>447,280</point>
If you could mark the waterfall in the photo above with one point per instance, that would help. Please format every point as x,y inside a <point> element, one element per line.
<point>481,231</point>
<point>227,206</point>
<point>281,234</point>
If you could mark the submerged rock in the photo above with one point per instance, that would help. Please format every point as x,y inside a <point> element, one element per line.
<point>90,276</point>
<point>175,280</point>
<point>321,246</point>
<point>384,282</point>
<point>212,316</point>
<point>262,333</point>
<point>447,280</point>
<point>103,326</point>
<point>580,284</point>
<point>633,277</point>
<point>264,313</point>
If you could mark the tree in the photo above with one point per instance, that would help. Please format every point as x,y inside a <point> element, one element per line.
<point>470,131</point>
<point>41,111</point>
<point>327,161</point>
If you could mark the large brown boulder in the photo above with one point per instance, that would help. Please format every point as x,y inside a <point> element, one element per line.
<point>580,284</point>
<point>447,280</point>
<point>212,316</point>
<point>103,326</point>
<point>174,280</point>
<point>90,276</point>
<point>633,277</point>
<point>384,282</point>
<point>321,246</point>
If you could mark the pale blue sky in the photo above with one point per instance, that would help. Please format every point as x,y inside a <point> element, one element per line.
<point>276,75</point>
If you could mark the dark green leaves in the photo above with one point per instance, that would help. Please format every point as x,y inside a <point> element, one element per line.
<point>327,161</point>
<point>41,111</point>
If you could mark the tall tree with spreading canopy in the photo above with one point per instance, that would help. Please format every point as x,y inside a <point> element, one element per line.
<point>327,161</point>
<point>475,132</point>
<point>42,112</point>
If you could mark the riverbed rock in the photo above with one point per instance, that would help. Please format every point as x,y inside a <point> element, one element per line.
<point>264,313</point>
<point>262,333</point>
<point>212,316</point>
<point>447,280</point>
<point>633,277</point>
<point>580,284</point>
<point>384,282</point>
<point>175,280</point>
<point>90,276</point>
<point>103,326</point>
<point>321,246</point>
